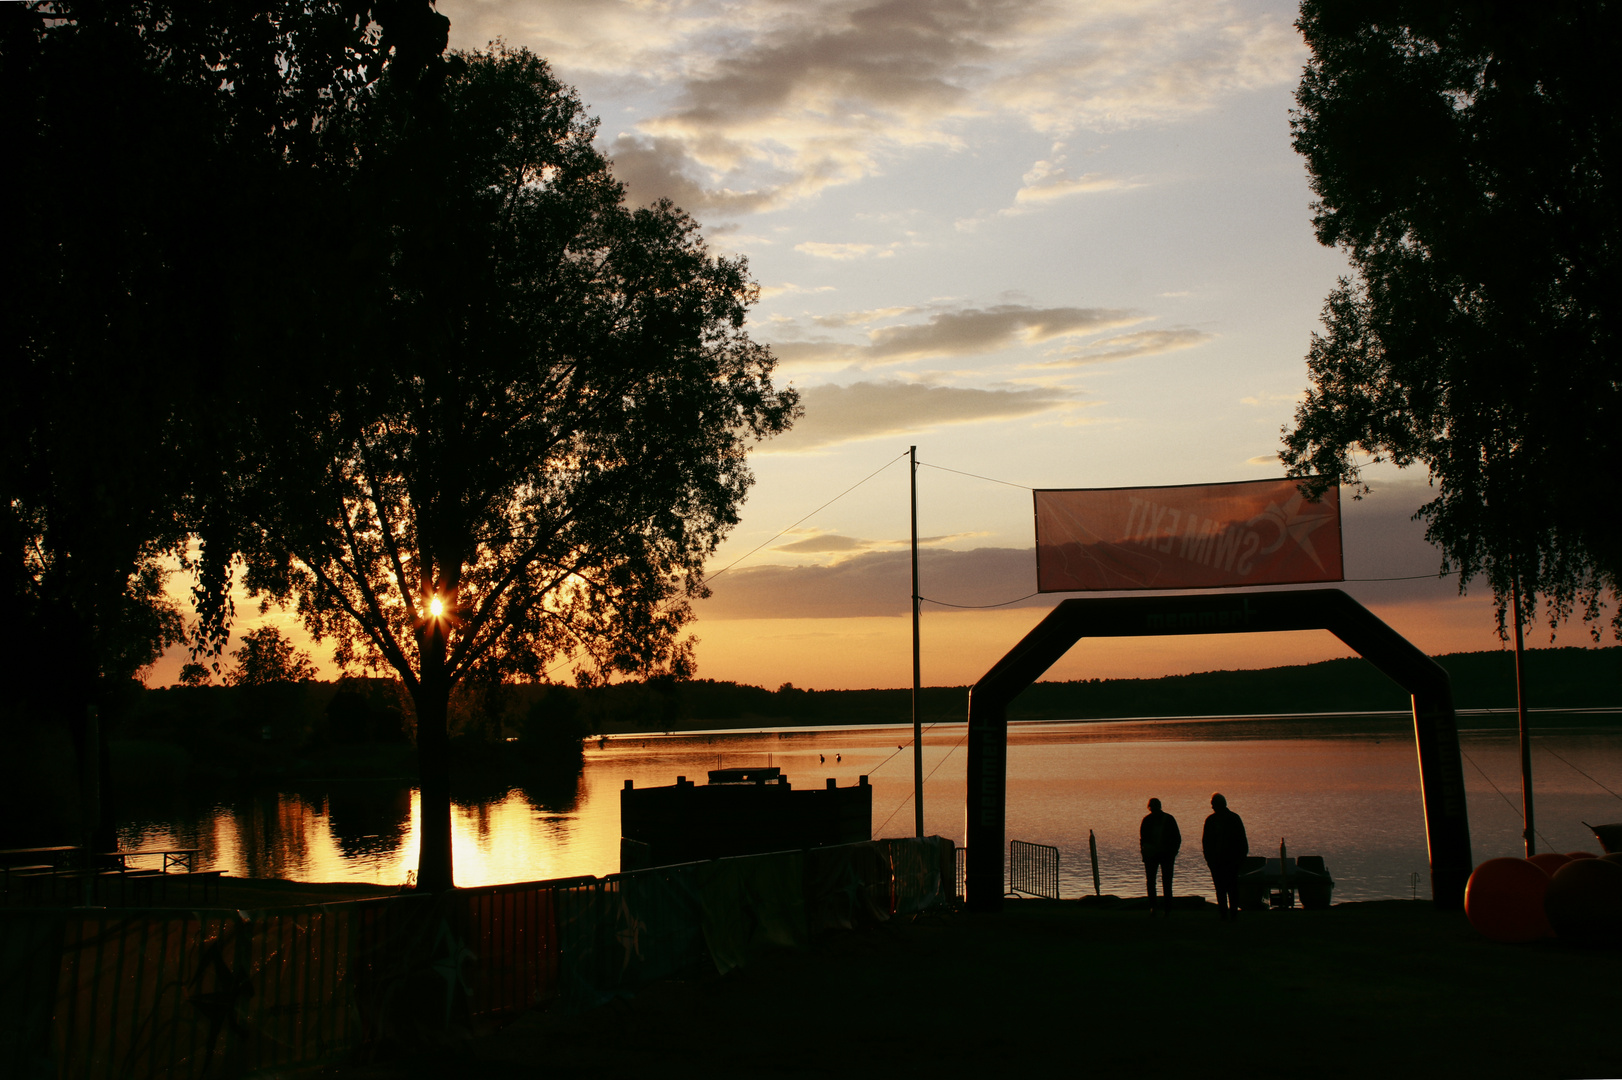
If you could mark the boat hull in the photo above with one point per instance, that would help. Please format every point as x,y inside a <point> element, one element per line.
<point>1609,836</point>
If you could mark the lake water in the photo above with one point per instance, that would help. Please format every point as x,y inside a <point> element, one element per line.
<point>1349,791</point>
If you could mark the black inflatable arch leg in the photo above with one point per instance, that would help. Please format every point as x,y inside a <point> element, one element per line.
<point>1436,736</point>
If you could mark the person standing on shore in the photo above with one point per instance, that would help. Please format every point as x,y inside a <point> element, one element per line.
<point>1160,840</point>
<point>1225,847</point>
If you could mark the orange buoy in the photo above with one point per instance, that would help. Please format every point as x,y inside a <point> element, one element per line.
<point>1504,900</point>
<point>1549,861</point>
<point>1584,902</point>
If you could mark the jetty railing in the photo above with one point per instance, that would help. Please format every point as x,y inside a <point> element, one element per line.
<point>1033,870</point>
<point>183,994</point>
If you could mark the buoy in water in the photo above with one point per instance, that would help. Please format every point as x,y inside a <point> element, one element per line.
<point>1504,900</point>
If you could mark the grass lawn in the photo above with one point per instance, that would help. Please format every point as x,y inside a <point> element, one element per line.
<point>1390,988</point>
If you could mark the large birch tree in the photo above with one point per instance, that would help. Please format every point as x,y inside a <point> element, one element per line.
<point>1465,157</point>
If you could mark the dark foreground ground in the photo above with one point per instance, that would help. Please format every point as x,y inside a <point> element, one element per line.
<point>1392,988</point>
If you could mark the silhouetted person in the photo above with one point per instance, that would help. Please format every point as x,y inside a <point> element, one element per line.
<point>1225,847</point>
<point>1159,838</point>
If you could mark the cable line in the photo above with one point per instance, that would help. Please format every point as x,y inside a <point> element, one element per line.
<point>814,513</point>
<point>949,753</point>
<point>882,764</point>
<point>932,772</point>
<point>1501,795</point>
<point>977,476</point>
<point>893,813</point>
<point>1410,577</point>
<point>1027,487</point>
<point>568,660</point>
<point>978,607</point>
<point>1542,747</point>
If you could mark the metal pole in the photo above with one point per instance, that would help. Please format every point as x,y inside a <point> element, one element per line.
<point>917,722</point>
<point>1520,707</point>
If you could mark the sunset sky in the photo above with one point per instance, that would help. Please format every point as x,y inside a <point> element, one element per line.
<point>1052,244</point>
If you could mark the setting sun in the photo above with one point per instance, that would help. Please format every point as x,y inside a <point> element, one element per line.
<point>435,608</point>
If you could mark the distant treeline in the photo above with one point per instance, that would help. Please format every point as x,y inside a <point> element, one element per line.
<point>1557,678</point>
<point>356,727</point>
<point>322,728</point>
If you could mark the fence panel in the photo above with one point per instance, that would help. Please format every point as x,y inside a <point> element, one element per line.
<point>30,955</point>
<point>920,871</point>
<point>659,923</point>
<point>846,886</point>
<point>148,994</point>
<point>207,993</point>
<point>586,917</point>
<point>1033,869</point>
<point>512,930</point>
<point>752,904</point>
<point>413,970</point>
<point>298,1008</point>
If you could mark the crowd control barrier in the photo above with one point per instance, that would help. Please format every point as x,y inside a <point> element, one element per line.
<point>1033,870</point>
<point>193,994</point>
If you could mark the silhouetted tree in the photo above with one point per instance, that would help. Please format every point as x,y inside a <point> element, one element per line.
<point>162,161</point>
<point>265,658</point>
<point>541,432</point>
<point>1465,156</point>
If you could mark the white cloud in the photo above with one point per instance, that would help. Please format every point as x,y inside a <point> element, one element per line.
<point>846,251</point>
<point>747,105</point>
<point>870,410</point>
<point>1048,180</point>
<point>1127,346</point>
<point>874,583</point>
<point>817,542</point>
<point>1056,183</point>
<point>978,330</point>
<point>971,331</point>
<point>860,318</point>
<point>769,291</point>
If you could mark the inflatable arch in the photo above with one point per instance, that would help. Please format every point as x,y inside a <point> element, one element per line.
<point>1441,776</point>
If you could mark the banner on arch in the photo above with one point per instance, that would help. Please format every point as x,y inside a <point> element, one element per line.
<point>1196,536</point>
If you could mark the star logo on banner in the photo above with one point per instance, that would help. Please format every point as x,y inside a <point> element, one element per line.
<point>1294,521</point>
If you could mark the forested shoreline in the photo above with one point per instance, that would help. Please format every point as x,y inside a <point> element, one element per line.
<point>319,715</point>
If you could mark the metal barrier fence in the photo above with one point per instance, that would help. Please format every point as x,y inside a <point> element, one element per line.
<point>920,871</point>
<point>1033,870</point>
<point>163,992</point>
<point>511,929</point>
<point>183,994</point>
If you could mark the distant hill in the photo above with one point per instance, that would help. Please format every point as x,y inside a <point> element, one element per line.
<point>1556,678</point>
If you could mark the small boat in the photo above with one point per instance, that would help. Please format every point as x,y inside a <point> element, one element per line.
<point>1278,882</point>
<point>1609,836</point>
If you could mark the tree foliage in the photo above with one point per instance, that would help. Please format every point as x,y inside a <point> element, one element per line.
<point>534,413</point>
<point>1467,158</point>
<point>158,152</point>
<point>266,658</point>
